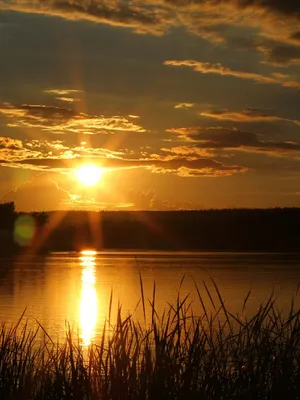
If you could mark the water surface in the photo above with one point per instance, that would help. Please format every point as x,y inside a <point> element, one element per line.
<point>77,287</point>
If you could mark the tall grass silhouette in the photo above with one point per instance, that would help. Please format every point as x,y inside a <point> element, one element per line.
<point>176,355</point>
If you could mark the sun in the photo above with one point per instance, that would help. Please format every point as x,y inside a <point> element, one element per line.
<point>89,175</point>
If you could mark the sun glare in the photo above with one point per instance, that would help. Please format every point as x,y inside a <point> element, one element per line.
<point>89,175</point>
<point>88,301</point>
<point>88,252</point>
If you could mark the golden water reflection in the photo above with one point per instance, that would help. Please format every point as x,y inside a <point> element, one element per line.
<point>88,300</point>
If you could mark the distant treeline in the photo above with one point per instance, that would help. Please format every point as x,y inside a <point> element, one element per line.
<point>276,230</point>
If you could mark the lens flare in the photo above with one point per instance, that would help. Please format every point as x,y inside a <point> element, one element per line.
<point>24,230</point>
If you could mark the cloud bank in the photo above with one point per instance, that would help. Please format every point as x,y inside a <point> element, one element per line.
<point>63,120</point>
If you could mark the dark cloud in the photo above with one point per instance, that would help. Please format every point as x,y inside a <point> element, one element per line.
<point>224,138</point>
<point>132,13</point>
<point>284,54</point>
<point>287,7</point>
<point>152,16</point>
<point>296,36</point>
<point>211,20</point>
<point>280,51</point>
<point>116,13</point>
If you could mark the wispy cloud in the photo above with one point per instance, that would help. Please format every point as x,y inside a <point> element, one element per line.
<point>67,99</point>
<point>185,106</point>
<point>51,196</point>
<point>246,115</point>
<point>219,69</point>
<point>62,92</point>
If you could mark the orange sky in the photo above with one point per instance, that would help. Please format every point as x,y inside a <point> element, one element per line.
<point>182,104</point>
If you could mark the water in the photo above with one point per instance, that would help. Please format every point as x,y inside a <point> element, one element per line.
<point>77,287</point>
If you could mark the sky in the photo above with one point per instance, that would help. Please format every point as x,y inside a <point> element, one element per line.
<point>181,104</point>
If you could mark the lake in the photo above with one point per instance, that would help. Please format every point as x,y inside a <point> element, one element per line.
<point>76,288</point>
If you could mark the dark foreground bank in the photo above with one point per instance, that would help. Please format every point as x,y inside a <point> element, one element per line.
<point>179,356</point>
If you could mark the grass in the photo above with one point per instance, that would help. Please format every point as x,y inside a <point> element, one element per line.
<point>174,356</point>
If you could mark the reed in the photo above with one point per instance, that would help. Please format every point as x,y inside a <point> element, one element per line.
<point>176,355</point>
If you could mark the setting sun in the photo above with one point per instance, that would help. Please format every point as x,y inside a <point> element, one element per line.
<point>89,175</point>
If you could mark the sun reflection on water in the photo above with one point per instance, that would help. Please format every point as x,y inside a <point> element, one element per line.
<point>88,300</point>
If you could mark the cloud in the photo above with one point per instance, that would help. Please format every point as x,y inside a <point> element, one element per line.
<point>13,150</point>
<point>140,199</point>
<point>149,200</point>
<point>62,92</point>
<point>232,139</point>
<point>137,12</point>
<point>41,193</point>
<point>63,120</point>
<point>246,115</point>
<point>116,13</point>
<point>44,193</point>
<point>185,106</point>
<point>55,156</point>
<point>287,8</point>
<point>193,167</point>
<point>182,166</point>
<point>219,69</point>
<point>11,144</point>
<point>189,151</point>
<point>283,54</point>
<point>245,26</point>
<point>206,18</point>
<point>295,36</point>
<point>211,20</point>
<point>67,99</point>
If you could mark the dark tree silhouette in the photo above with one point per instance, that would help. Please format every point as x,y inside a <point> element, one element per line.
<point>265,230</point>
<point>7,216</point>
<point>7,222</point>
<point>274,230</point>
